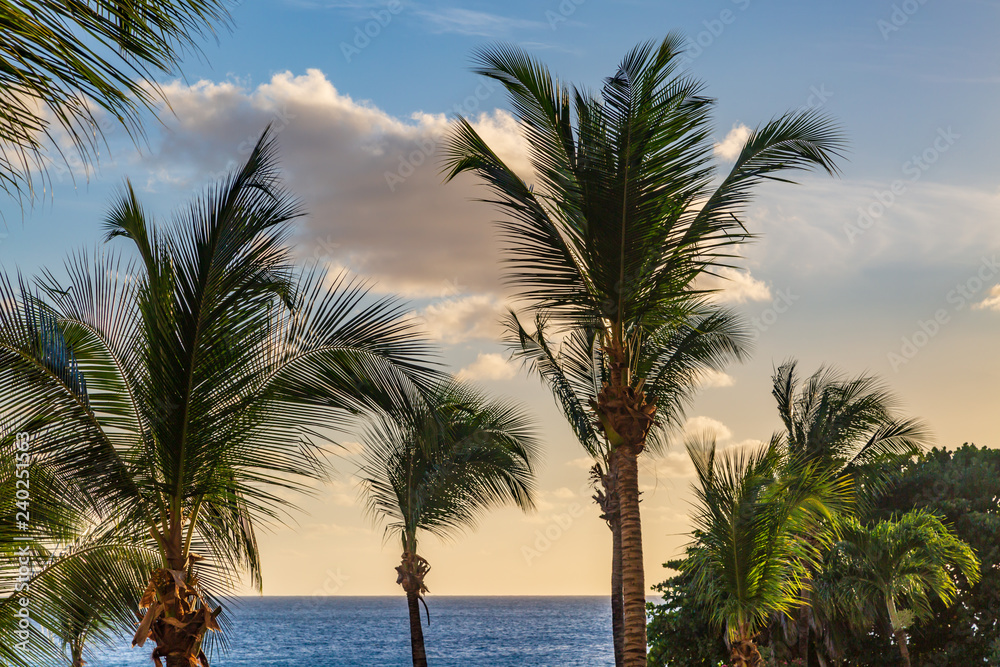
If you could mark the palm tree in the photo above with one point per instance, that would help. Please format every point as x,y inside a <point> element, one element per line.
<point>748,562</point>
<point>674,359</point>
<point>436,468</point>
<point>849,424</point>
<point>899,563</point>
<point>181,393</point>
<point>622,218</point>
<point>64,61</point>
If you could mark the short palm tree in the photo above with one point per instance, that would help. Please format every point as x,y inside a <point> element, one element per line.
<point>848,423</point>
<point>623,216</point>
<point>899,563</point>
<point>748,562</point>
<point>436,468</point>
<point>61,61</point>
<point>181,393</point>
<point>673,360</point>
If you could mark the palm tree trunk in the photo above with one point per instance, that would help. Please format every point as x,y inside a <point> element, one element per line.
<point>898,630</point>
<point>744,653</point>
<point>802,630</point>
<point>77,654</point>
<point>617,603</point>
<point>416,630</point>
<point>633,577</point>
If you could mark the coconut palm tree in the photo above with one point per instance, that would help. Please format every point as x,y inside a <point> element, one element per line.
<point>63,61</point>
<point>850,424</point>
<point>87,575</point>
<point>674,360</point>
<point>899,564</point>
<point>622,216</point>
<point>748,562</point>
<point>436,469</point>
<point>181,393</point>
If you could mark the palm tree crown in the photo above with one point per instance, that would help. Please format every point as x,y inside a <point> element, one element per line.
<point>64,61</point>
<point>180,394</point>
<point>622,216</point>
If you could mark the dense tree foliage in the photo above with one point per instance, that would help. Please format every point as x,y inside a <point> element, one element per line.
<point>961,487</point>
<point>680,629</point>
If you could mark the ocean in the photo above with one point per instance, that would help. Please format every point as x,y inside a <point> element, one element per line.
<point>374,631</point>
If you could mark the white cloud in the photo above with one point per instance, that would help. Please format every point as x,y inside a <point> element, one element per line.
<point>488,367</point>
<point>700,425</point>
<point>992,302</point>
<point>712,378</point>
<point>583,463</point>
<point>734,286</point>
<point>352,448</point>
<point>729,148</point>
<point>370,182</point>
<point>462,319</point>
<point>474,23</point>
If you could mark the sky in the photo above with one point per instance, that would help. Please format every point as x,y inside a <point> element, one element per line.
<point>891,268</point>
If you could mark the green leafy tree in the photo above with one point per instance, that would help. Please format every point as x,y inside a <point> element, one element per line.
<point>181,393</point>
<point>623,215</point>
<point>681,632</point>
<point>897,566</point>
<point>962,486</point>
<point>748,562</point>
<point>436,468</point>
<point>62,61</point>
<point>848,424</point>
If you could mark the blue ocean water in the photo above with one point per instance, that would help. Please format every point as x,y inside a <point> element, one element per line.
<point>374,631</point>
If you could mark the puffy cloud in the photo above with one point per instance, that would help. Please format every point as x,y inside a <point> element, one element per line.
<point>490,366</point>
<point>700,425</point>
<point>462,319</point>
<point>734,286</point>
<point>712,378</point>
<point>729,148</point>
<point>371,182</point>
<point>992,302</point>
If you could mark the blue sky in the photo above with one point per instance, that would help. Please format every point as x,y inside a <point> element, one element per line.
<point>896,255</point>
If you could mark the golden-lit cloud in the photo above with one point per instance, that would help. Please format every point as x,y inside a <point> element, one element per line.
<point>488,366</point>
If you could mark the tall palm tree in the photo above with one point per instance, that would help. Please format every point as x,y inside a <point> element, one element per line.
<point>674,359</point>
<point>64,60</point>
<point>848,423</point>
<point>748,562</point>
<point>181,393</point>
<point>436,468</point>
<point>899,563</point>
<point>623,216</point>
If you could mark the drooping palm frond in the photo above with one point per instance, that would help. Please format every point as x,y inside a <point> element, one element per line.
<point>748,560</point>
<point>438,467</point>
<point>674,359</point>
<point>181,395</point>
<point>625,215</point>
<point>61,62</point>
<point>850,422</point>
